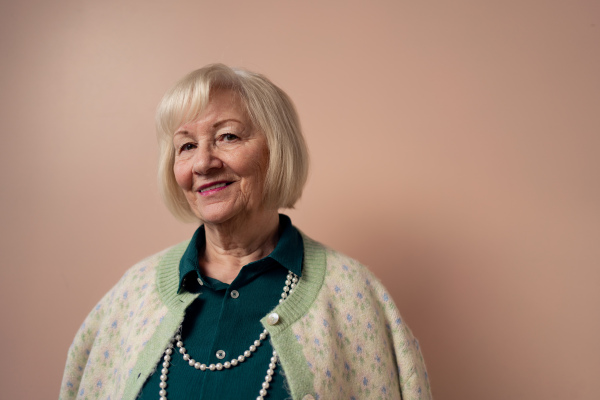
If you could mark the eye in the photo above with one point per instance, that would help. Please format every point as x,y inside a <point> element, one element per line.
<point>186,147</point>
<point>229,137</point>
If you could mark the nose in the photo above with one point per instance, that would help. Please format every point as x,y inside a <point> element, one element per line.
<point>206,159</point>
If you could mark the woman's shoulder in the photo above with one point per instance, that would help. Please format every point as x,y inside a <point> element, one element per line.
<point>342,268</point>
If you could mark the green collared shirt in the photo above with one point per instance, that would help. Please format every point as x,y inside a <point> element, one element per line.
<point>226,318</point>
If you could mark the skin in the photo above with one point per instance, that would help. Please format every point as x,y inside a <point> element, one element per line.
<point>223,147</point>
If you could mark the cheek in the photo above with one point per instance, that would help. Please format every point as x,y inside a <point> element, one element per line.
<point>183,176</point>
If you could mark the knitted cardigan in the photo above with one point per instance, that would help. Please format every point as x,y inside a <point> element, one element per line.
<point>339,335</point>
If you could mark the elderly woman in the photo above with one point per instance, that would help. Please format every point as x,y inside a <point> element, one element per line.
<point>250,307</point>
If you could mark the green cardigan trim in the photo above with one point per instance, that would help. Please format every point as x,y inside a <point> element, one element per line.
<point>298,375</point>
<point>167,282</point>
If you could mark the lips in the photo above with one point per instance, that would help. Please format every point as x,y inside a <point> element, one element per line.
<point>213,187</point>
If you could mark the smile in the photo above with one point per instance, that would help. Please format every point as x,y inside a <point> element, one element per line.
<point>214,187</point>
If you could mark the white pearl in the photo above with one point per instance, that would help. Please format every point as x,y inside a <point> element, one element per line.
<point>263,336</point>
<point>169,351</point>
<point>257,343</point>
<point>263,392</point>
<point>272,366</point>
<point>167,358</point>
<point>219,366</point>
<point>197,365</point>
<point>192,362</point>
<point>212,367</point>
<point>178,337</point>
<point>295,279</point>
<point>247,353</point>
<point>265,385</point>
<point>166,364</point>
<point>227,364</point>
<point>241,358</point>
<point>164,371</point>
<point>283,295</point>
<point>234,362</point>
<point>270,372</point>
<point>182,350</point>
<point>280,301</point>
<point>260,398</point>
<point>287,283</point>
<point>274,352</point>
<point>163,377</point>
<point>203,367</point>
<point>253,348</point>
<point>268,378</point>
<point>273,359</point>
<point>163,398</point>
<point>186,356</point>
<point>179,343</point>
<point>286,289</point>
<point>162,393</point>
<point>162,385</point>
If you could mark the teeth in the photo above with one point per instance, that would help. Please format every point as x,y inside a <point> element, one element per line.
<point>218,185</point>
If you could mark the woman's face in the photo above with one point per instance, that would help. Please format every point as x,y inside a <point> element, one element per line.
<point>221,161</point>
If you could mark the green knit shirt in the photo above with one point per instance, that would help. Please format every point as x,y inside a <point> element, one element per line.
<point>218,320</point>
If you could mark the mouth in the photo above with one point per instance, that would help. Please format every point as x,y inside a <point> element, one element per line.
<point>213,187</point>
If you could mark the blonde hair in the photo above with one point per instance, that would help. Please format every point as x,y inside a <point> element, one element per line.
<point>271,111</point>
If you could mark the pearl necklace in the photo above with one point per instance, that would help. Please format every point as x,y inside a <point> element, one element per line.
<point>290,283</point>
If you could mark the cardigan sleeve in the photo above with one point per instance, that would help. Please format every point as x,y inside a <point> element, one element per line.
<point>80,349</point>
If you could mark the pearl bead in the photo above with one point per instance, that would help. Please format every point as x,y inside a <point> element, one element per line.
<point>163,398</point>
<point>247,353</point>
<point>203,367</point>
<point>234,362</point>
<point>182,350</point>
<point>178,337</point>
<point>257,343</point>
<point>167,358</point>
<point>192,362</point>
<point>219,366</point>
<point>164,371</point>
<point>212,367</point>
<point>227,364</point>
<point>186,356</point>
<point>197,365</point>
<point>253,348</point>
<point>179,343</point>
<point>162,385</point>
<point>265,385</point>
<point>241,358</point>
<point>163,377</point>
<point>166,364</point>
<point>263,392</point>
<point>268,378</point>
<point>169,351</point>
<point>162,393</point>
<point>273,359</point>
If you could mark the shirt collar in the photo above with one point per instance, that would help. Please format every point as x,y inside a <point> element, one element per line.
<point>288,253</point>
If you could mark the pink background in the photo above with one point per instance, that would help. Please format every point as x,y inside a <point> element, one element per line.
<point>455,150</point>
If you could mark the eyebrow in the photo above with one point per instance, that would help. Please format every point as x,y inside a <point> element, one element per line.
<point>214,126</point>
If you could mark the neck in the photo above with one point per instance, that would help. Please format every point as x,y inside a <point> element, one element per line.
<point>235,243</point>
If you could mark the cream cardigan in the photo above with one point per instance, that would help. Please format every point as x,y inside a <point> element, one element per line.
<point>339,335</point>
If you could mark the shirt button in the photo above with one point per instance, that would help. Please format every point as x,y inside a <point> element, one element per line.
<point>308,397</point>
<point>273,319</point>
<point>234,294</point>
<point>220,354</point>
